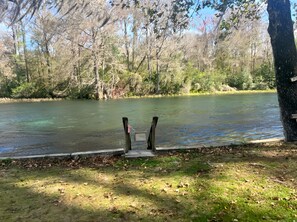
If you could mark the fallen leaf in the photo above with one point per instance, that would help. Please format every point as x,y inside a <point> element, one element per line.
<point>113,210</point>
<point>164,190</point>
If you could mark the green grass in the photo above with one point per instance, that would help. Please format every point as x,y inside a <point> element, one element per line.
<point>248,184</point>
<point>204,93</point>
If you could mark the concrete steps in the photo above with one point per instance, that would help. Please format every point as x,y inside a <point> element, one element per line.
<point>139,153</point>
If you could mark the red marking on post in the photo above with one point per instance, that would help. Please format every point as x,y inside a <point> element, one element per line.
<point>129,128</point>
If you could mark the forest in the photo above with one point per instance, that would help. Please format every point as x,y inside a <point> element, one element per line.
<point>103,50</point>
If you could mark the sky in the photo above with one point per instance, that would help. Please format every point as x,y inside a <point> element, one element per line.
<point>205,14</point>
<point>2,26</point>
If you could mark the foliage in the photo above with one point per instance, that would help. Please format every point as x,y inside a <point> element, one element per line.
<point>241,81</point>
<point>84,92</point>
<point>264,76</point>
<point>30,90</point>
<point>6,87</point>
<point>140,48</point>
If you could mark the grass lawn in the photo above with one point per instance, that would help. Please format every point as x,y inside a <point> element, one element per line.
<point>242,183</point>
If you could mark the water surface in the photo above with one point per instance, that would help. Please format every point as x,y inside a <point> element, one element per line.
<point>70,126</point>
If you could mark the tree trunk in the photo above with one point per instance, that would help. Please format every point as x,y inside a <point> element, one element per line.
<point>79,65</point>
<point>15,32</point>
<point>148,53</point>
<point>134,41</point>
<point>157,72</point>
<point>15,39</point>
<point>73,74</point>
<point>95,55</point>
<point>48,64</point>
<point>47,59</point>
<point>127,45</point>
<point>41,73</point>
<point>253,56</point>
<point>97,77</point>
<point>285,61</point>
<point>104,86</point>
<point>25,51</point>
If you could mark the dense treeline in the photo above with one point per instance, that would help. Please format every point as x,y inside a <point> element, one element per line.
<point>108,51</point>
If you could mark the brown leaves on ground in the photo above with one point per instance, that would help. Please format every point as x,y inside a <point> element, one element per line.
<point>69,162</point>
<point>168,186</point>
<point>285,151</point>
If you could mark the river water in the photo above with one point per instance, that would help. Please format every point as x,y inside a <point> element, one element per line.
<point>71,126</point>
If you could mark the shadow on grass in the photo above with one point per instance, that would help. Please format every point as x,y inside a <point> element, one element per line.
<point>23,200</point>
<point>222,187</point>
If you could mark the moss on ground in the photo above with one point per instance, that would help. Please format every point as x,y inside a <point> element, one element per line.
<point>245,183</point>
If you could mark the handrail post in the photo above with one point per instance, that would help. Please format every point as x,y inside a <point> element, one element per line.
<point>151,144</point>
<point>127,135</point>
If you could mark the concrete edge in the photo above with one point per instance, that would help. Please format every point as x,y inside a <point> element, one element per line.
<point>112,152</point>
<point>252,142</point>
<point>281,139</point>
<point>100,152</point>
<point>120,151</point>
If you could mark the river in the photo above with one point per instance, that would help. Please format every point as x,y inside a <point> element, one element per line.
<point>71,126</point>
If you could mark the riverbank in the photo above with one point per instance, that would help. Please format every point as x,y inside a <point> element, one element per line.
<point>204,93</point>
<point>243,183</point>
<point>10,100</point>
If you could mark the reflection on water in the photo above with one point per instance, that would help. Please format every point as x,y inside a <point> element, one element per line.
<point>69,126</point>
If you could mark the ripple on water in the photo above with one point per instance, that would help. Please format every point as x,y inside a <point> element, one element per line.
<point>71,126</point>
<point>4,149</point>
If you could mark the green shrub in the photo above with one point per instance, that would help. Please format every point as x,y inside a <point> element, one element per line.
<point>260,86</point>
<point>264,75</point>
<point>84,92</point>
<point>6,87</point>
<point>208,81</point>
<point>241,81</point>
<point>30,90</point>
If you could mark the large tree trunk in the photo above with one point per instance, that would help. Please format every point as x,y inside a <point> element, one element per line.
<point>285,62</point>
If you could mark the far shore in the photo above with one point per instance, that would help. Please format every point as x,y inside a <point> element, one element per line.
<point>12,100</point>
<point>203,93</point>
